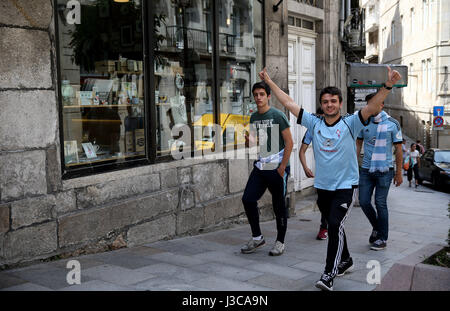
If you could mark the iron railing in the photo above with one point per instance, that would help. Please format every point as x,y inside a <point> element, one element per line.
<point>197,39</point>
<point>315,3</point>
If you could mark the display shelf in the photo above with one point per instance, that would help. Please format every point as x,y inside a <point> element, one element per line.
<point>98,160</point>
<point>96,120</point>
<point>102,106</point>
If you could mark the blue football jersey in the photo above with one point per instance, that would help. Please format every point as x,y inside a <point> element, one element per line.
<point>369,134</point>
<point>307,139</point>
<point>334,149</point>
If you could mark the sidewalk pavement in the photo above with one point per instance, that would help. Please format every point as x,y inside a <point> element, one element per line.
<point>213,262</point>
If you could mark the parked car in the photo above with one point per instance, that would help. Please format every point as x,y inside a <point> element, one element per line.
<point>435,167</point>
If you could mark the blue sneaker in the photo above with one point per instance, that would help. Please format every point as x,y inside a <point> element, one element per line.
<point>378,245</point>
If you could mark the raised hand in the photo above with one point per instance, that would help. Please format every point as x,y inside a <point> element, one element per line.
<point>263,75</point>
<point>393,76</point>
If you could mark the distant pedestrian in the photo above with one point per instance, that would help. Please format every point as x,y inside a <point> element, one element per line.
<point>404,152</point>
<point>413,156</point>
<point>307,139</point>
<point>419,147</point>
<point>270,171</point>
<point>377,171</point>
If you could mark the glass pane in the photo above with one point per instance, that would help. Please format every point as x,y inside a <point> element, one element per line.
<point>102,82</point>
<point>308,24</point>
<point>241,46</point>
<point>291,21</point>
<point>298,22</point>
<point>182,67</point>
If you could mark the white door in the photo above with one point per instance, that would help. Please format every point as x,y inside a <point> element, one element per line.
<point>301,69</point>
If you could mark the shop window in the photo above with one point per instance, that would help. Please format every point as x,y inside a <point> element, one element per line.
<point>102,82</point>
<point>184,57</point>
<point>114,113</point>
<point>241,46</point>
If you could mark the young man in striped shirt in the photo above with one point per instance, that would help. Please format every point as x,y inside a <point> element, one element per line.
<point>377,170</point>
<point>337,175</point>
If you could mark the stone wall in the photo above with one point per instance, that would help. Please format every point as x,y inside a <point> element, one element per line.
<point>43,216</point>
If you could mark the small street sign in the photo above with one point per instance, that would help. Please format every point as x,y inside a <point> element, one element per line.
<point>438,123</point>
<point>438,111</point>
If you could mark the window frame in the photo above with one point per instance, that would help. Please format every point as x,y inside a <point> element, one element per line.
<point>150,108</point>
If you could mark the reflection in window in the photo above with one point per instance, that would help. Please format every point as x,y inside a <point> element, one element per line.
<point>240,51</point>
<point>182,66</point>
<point>102,87</point>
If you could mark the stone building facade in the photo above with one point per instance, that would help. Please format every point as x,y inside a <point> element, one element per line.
<point>416,34</point>
<point>43,215</point>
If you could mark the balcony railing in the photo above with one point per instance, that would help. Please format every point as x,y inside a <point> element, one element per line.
<point>315,3</point>
<point>196,39</point>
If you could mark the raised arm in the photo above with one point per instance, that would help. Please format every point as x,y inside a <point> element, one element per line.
<point>374,105</point>
<point>282,97</point>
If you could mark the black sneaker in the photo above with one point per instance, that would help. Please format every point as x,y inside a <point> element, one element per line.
<point>345,266</point>
<point>325,282</point>
<point>378,245</point>
<point>373,236</point>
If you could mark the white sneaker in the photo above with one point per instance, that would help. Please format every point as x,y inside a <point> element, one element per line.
<point>277,249</point>
<point>252,245</point>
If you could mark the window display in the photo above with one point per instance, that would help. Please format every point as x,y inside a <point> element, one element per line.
<point>198,75</point>
<point>183,67</point>
<point>102,87</point>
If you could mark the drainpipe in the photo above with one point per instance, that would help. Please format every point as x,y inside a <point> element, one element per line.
<point>348,9</point>
<point>341,20</point>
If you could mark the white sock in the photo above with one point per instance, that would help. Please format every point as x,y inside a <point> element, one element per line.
<point>258,238</point>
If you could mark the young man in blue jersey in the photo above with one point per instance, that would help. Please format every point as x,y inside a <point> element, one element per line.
<point>271,128</point>
<point>306,141</point>
<point>377,171</point>
<point>337,174</point>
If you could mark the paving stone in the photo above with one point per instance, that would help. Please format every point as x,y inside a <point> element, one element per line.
<point>96,285</point>
<point>46,275</point>
<point>310,266</point>
<point>227,271</point>
<point>176,259</point>
<point>27,287</point>
<point>127,260</point>
<point>234,259</point>
<point>276,282</point>
<point>223,238</point>
<point>287,272</point>
<point>223,284</point>
<point>7,280</point>
<point>173,284</point>
<point>116,275</point>
<point>169,271</point>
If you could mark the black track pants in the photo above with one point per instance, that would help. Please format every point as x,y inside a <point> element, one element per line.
<point>336,207</point>
<point>257,183</point>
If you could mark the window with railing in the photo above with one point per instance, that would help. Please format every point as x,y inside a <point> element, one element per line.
<point>315,3</point>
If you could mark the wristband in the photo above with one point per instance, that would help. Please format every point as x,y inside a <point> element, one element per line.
<point>386,87</point>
